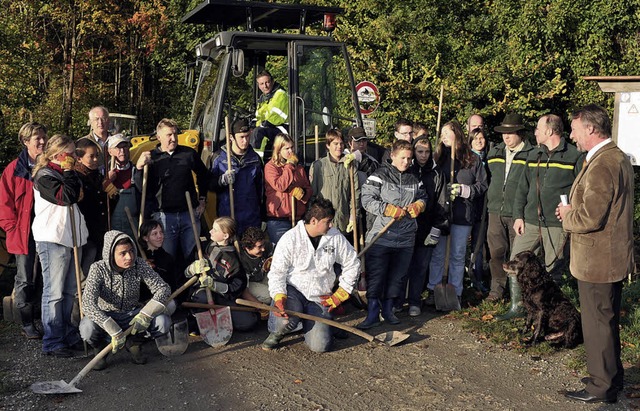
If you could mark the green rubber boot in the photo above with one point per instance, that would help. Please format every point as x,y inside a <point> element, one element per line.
<point>516,310</point>
<point>272,341</point>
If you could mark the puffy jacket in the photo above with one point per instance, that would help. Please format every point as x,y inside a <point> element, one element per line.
<point>278,183</point>
<point>273,107</point>
<point>247,188</point>
<point>16,203</point>
<point>553,173</point>
<point>434,186</point>
<point>330,180</point>
<point>387,185</point>
<point>501,193</point>
<point>464,209</point>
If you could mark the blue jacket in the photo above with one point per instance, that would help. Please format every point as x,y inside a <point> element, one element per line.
<point>248,187</point>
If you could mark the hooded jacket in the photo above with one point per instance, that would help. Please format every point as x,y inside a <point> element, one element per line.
<point>109,290</point>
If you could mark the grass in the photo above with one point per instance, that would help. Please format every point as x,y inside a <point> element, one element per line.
<point>479,318</point>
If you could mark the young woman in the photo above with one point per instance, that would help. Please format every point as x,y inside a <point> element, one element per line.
<point>57,190</point>
<point>391,193</point>
<point>469,182</point>
<point>151,238</point>
<point>284,178</point>
<point>479,146</point>
<point>222,273</point>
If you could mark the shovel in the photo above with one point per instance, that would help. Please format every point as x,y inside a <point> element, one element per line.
<point>389,338</point>
<point>444,293</point>
<point>215,326</point>
<point>62,387</point>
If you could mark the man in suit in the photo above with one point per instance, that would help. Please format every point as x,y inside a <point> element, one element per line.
<point>600,221</point>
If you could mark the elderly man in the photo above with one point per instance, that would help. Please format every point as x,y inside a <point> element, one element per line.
<point>506,163</point>
<point>550,171</point>
<point>599,218</point>
<point>170,176</point>
<point>302,276</point>
<point>99,123</point>
<point>271,114</point>
<point>475,121</point>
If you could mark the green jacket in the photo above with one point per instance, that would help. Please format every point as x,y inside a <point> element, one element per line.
<point>553,173</point>
<point>501,193</point>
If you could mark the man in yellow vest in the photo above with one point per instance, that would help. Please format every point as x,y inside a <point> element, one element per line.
<point>271,114</point>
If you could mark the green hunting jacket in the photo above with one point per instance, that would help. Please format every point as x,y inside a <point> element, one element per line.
<point>553,172</point>
<point>501,193</point>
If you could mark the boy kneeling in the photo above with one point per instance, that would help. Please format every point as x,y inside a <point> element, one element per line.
<point>111,300</point>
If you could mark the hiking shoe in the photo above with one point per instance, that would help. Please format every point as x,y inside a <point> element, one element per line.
<point>414,311</point>
<point>430,300</point>
<point>31,332</point>
<point>272,341</point>
<point>136,354</point>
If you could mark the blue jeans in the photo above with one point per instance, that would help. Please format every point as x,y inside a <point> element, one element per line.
<point>58,295</point>
<point>459,235</point>
<point>317,336</point>
<point>418,272</point>
<point>276,228</point>
<point>96,337</point>
<point>387,268</point>
<point>177,232</point>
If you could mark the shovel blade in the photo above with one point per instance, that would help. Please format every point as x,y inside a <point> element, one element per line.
<point>446,298</point>
<point>392,338</point>
<point>54,387</point>
<point>176,341</point>
<point>215,326</point>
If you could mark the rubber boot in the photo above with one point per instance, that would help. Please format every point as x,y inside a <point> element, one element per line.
<point>373,315</point>
<point>516,310</point>
<point>102,363</point>
<point>28,328</point>
<point>387,312</point>
<point>272,341</point>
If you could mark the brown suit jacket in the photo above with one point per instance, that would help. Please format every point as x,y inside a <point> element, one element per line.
<point>601,218</point>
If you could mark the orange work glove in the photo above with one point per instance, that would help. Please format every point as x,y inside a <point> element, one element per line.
<point>293,159</point>
<point>109,188</point>
<point>266,265</point>
<point>394,212</point>
<point>68,162</point>
<point>297,193</point>
<point>337,298</point>
<point>279,302</point>
<point>414,209</point>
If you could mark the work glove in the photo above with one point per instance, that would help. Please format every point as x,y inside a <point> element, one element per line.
<point>117,342</point>
<point>207,281</point>
<point>279,302</point>
<point>293,159</point>
<point>200,266</point>
<point>349,228</point>
<point>140,323</point>
<point>109,188</point>
<point>68,163</point>
<point>416,208</point>
<point>228,178</point>
<point>337,298</point>
<point>266,265</point>
<point>458,190</point>
<point>433,237</point>
<point>394,212</point>
<point>297,193</point>
<point>349,158</point>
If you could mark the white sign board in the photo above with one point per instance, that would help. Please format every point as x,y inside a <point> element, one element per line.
<point>628,128</point>
<point>369,125</point>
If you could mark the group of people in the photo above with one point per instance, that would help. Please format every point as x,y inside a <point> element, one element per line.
<point>416,205</point>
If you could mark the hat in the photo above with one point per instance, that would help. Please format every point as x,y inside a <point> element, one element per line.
<point>357,133</point>
<point>116,139</point>
<point>240,126</point>
<point>512,122</point>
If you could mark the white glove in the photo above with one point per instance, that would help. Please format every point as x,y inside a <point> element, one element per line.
<point>228,178</point>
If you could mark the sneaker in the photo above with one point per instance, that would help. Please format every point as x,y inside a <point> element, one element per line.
<point>414,311</point>
<point>31,332</point>
<point>430,300</point>
<point>397,310</point>
<point>272,341</point>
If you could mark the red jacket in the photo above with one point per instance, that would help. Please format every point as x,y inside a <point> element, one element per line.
<point>278,183</point>
<point>16,204</point>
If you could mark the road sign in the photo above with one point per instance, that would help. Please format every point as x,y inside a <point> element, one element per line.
<point>369,125</point>
<point>368,97</point>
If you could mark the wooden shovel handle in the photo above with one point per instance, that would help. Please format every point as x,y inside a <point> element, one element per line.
<point>193,225</point>
<point>229,168</point>
<point>135,233</point>
<point>377,236</point>
<point>189,304</point>
<point>332,323</point>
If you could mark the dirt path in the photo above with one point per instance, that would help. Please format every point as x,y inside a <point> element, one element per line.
<point>440,367</point>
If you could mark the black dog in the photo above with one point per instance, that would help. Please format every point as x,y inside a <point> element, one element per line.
<point>549,312</point>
